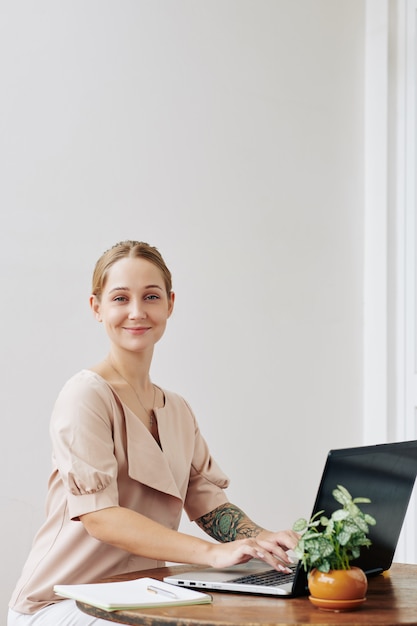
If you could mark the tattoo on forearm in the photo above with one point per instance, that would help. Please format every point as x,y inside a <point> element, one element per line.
<point>227,523</point>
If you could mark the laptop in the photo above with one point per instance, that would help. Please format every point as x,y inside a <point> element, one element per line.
<point>384,473</point>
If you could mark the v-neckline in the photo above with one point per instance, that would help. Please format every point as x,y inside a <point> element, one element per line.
<point>127,408</point>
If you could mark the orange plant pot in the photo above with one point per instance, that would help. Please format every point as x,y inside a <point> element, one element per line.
<point>349,584</point>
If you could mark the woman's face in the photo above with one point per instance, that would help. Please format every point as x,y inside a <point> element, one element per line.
<point>134,306</point>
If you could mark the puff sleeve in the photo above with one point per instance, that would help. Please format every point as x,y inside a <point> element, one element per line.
<point>83,447</point>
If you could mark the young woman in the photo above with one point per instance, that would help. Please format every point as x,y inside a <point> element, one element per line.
<point>128,458</point>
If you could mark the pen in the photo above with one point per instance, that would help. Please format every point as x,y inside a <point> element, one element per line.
<point>163,592</point>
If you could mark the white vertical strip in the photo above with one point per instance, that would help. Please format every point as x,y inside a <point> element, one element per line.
<point>409,430</point>
<point>375,237</point>
<point>399,216</point>
<point>403,209</point>
<point>399,259</point>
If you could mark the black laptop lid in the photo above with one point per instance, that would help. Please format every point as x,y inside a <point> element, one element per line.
<point>383,473</point>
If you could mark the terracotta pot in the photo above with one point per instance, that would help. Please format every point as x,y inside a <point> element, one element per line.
<point>348,584</point>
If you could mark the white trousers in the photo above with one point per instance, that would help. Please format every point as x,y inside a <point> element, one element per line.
<point>63,613</point>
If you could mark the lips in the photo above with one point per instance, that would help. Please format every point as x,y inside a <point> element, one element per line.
<point>137,330</point>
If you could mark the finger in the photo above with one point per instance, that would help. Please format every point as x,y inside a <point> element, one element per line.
<point>268,556</point>
<point>274,562</point>
<point>276,551</point>
<point>284,539</point>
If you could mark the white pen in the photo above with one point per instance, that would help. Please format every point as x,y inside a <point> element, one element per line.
<point>163,592</point>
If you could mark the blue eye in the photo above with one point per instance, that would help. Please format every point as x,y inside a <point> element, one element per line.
<point>120,299</point>
<point>152,296</point>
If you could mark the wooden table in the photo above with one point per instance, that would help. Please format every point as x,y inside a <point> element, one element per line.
<point>391,600</point>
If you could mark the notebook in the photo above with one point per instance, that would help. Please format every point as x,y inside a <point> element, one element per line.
<point>132,594</point>
<point>385,473</point>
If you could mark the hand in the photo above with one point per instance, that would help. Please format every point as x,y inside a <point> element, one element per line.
<point>268,546</point>
<point>277,544</point>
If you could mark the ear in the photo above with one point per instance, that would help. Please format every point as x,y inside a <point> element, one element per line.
<point>95,307</point>
<point>171,301</point>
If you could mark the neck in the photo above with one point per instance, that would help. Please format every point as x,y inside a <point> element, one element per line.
<point>142,395</point>
<point>133,369</point>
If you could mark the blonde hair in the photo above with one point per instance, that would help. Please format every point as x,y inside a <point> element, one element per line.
<point>128,249</point>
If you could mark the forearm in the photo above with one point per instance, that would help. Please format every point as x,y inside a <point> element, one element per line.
<point>238,538</point>
<point>228,523</point>
<point>135,533</point>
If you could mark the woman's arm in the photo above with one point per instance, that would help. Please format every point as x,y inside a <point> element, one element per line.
<point>135,533</point>
<point>229,523</point>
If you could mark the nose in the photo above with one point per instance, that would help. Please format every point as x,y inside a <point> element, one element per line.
<point>136,310</point>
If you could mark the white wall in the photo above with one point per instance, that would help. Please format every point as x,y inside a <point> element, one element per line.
<point>229,134</point>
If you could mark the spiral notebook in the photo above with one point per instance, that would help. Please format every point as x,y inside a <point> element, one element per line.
<point>139,593</point>
<point>385,473</point>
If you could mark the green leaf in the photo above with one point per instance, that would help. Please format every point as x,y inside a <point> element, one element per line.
<point>342,495</point>
<point>340,514</point>
<point>299,550</point>
<point>324,566</point>
<point>361,524</point>
<point>356,552</point>
<point>314,524</point>
<point>370,520</point>
<point>344,537</point>
<point>300,525</point>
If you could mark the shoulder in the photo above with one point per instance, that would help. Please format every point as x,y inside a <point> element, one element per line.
<point>86,381</point>
<point>85,388</point>
<point>178,413</point>
<point>175,401</point>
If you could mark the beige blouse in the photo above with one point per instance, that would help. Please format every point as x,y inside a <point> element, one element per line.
<point>104,456</point>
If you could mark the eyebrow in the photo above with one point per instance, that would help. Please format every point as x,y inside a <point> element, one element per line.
<point>128,289</point>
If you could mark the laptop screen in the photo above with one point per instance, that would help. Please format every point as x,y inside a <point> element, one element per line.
<point>383,473</point>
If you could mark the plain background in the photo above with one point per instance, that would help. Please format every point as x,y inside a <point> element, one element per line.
<point>230,134</point>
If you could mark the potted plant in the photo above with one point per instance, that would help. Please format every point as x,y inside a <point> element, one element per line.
<point>327,547</point>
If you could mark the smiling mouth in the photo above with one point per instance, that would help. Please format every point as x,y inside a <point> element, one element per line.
<point>136,329</point>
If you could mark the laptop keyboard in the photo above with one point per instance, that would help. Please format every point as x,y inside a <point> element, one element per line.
<point>270,578</point>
